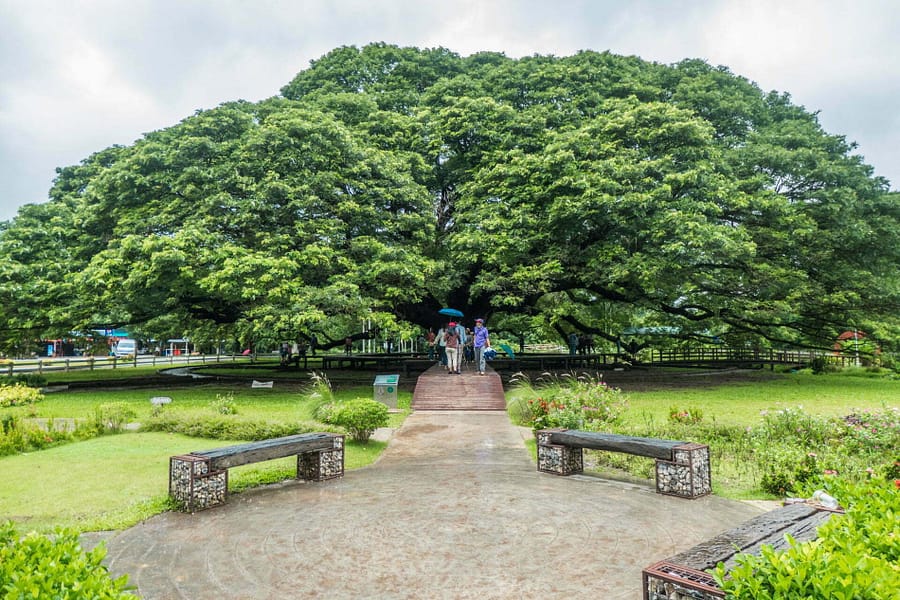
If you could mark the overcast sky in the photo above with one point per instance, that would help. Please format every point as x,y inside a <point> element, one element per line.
<point>77,76</point>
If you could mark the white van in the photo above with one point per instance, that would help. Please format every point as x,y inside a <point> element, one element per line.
<point>126,347</point>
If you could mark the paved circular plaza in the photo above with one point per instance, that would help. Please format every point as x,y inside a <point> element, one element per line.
<point>455,508</point>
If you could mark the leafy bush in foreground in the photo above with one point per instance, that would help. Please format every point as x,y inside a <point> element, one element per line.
<point>856,555</point>
<point>40,566</point>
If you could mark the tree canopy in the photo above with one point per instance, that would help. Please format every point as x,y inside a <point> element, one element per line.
<point>587,193</point>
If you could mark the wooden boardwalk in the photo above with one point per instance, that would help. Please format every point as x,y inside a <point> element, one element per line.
<point>438,390</point>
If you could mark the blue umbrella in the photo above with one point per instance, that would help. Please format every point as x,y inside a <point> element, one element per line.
<point>450,312</point>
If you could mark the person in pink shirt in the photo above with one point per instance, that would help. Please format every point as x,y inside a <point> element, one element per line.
<point>451,337</point>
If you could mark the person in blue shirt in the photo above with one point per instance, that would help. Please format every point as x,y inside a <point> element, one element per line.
<point>482,341</point>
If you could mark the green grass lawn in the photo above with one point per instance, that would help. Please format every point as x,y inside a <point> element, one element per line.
<point>114,481</point>
<point>742,404</point>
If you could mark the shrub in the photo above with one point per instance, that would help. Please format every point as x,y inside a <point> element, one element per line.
<point>23,436</point>
<point>871,431</point>
<point>224,404</point>
<point>112,417</point>
<point>359,417</point>
<point>793,425</point>
<point>786,469</point>
<point>856,555</point>
<point>42,566</point>
<point>30,379</point>
<point>19,395</point>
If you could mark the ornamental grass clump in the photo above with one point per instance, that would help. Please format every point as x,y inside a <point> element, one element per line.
<point>224,404</point>
<point>112,417</point>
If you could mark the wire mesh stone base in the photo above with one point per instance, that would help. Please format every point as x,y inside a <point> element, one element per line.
<point>667,581</point>
<point>560,460</point>
<point>687,475</point>
<point>320,465</point>
<point>193,485</point>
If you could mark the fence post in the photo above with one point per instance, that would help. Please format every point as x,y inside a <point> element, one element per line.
<point>91,362</point>
<point>67,365</point>
<point>40,366</point>
<point>9,369</point>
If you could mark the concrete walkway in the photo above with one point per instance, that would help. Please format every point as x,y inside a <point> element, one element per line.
<point>454,509</point>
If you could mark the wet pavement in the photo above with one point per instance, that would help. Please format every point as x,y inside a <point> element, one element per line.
<point>455,508</point>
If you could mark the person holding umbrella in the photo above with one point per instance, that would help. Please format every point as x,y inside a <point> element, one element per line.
<point>451,339</point>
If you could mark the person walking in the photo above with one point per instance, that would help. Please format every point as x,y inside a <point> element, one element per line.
<point>432,340</point>
<point>463,339</point>
<point>482,341</point>
<point>469,352</point>
<point>451,339</point>
<point>442,346</point>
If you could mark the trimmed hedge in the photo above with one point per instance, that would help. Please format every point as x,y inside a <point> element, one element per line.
<point>229,428</point>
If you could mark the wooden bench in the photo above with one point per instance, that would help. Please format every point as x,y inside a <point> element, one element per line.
<point>199,480</point>
<point>682,468</point>
<point>684,576</point>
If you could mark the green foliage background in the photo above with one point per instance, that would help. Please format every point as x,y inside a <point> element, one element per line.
<point>590,193</point>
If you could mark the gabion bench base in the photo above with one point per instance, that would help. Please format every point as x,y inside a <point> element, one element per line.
<point>320,465</point>
<point>687,475</point>
<point>193,485</point>
<point>668,581</point>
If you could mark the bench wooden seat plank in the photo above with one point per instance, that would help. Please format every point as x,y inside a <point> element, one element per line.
<point>252,452</point>
<point>767,528</point>
<point>639,446</point>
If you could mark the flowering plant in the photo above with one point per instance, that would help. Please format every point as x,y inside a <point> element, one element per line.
<point>575,402</point>
<point>690,416</point>
<point>19,395</point>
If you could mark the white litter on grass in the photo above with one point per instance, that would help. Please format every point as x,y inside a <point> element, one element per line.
<point>262,384</point>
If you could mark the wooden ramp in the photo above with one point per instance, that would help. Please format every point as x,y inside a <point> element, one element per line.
<point>438,390</point>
